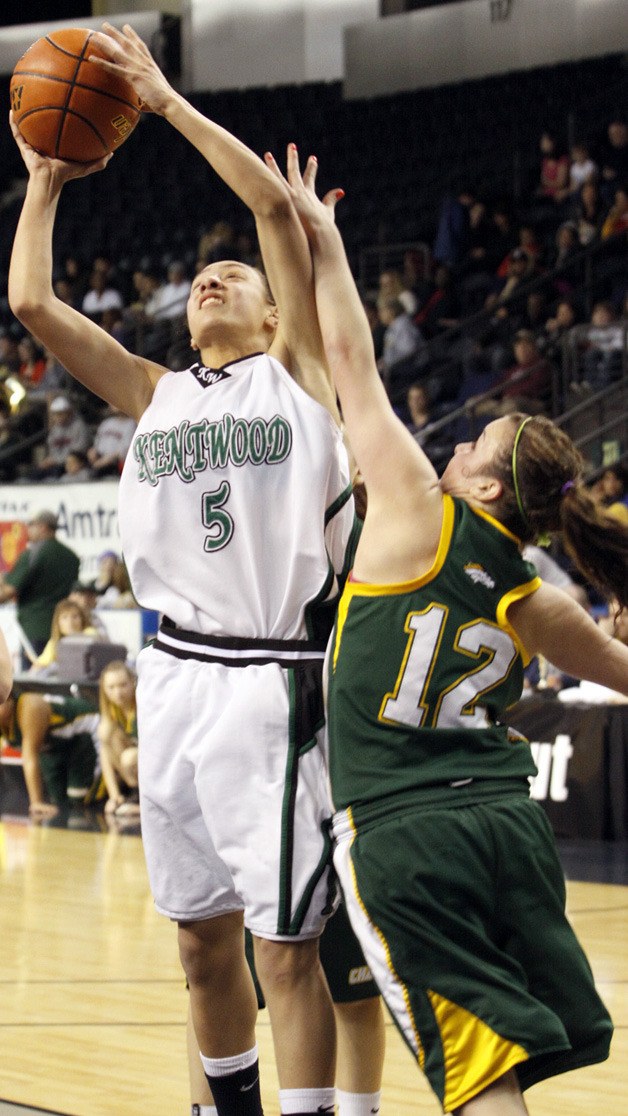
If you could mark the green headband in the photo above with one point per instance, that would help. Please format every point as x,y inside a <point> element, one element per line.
<point>515,481</point>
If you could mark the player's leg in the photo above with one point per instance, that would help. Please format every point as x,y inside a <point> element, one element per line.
<point>201,1100</point>
<point>360,1032</point>
<point>223,1007</point>
<point>302,1023</point>
<point>361,1043</point>
<point>502,1098</point>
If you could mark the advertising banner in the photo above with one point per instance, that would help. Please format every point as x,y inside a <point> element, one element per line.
<point>87,516</point>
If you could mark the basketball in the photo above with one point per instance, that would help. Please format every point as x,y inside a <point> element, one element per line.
<point>65,106</point>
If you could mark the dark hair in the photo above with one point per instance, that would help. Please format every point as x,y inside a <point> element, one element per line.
<point>548,495</point>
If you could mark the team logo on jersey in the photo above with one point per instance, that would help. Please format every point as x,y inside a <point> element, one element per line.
<point>478,575</point>
<point>193,447</point>
<point>208,376</point>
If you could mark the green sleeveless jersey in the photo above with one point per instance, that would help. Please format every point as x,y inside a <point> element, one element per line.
<point>420,673</point>
<point>69,718</point>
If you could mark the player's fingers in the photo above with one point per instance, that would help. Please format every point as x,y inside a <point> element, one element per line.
<point>294,170</point>
<point>332,197</point>
<point>133,35</point>
<point>309,174</point>
<point>271,163</point>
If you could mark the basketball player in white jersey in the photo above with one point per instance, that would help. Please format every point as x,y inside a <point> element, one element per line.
<point>237,524</point>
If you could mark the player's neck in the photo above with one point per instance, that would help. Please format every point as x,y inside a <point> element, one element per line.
<point>220,354</point>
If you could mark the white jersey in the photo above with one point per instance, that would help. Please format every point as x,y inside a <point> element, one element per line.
<point>236,514</point>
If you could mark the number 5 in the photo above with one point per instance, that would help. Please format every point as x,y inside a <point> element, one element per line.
<point>218,522</point>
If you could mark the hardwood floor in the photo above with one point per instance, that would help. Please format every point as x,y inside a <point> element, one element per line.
<point>93,1004</point>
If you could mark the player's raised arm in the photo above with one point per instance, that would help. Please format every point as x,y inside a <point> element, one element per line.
<point>283,244</point>
<point>88,353</point>
<point>389,459</point>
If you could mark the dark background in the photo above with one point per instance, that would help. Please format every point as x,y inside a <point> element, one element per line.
<point>34,11</point>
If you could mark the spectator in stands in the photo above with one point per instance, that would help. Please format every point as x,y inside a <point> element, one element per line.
<point>611,491</point>
<point>111,443</point>
<point>613,157</point>
<point>452,236</point>
<point>391,284</point>
<point>117,732</point>
<point>76,469</point>
<point>100,295</point>
<point>172,298</point>
<point>378,328</point>
<point>582,168</point>
<point>441,309</point>
<point>601,346</point>
<point>554,171</point>
<point>421,425</point>
<point>534,313</point>
<point>67,431</point>
<point>566,257</point>
<point>589,213</point>
<point>65,292</point>
<point>557,334</point>
<point>402,338</point>
<point>616,221</point>
<point>507,302</point>
<point>32,362</point>
<point>85,595</point>
<point>55,377</point>
<point>57,739</point>
<point>526,385</point>
<point>73,272</point>
<point>476,272</point>
<point>112,582</point>
<point>68,619</point>
<point>41,577</point>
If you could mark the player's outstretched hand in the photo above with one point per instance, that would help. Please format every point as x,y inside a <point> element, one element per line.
<point>314,212</point>
<point>128,56</point>
<point>61,169</point>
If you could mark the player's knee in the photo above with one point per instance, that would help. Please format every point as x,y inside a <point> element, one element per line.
<point>210,949</point>
<point>283,964</point>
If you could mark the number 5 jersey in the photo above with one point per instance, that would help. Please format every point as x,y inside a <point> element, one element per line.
<point>235,504</point>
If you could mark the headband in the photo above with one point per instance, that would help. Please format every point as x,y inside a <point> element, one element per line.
<point>515,480</point>
<point>567,485</point>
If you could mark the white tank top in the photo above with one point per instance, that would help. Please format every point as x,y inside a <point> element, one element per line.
<point>234,505</point>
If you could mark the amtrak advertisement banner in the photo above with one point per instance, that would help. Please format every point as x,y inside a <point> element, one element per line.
<point>87,516</point>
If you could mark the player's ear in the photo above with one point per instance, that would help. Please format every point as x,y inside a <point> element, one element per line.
<point>487,488</point>
<point>271,320</point>
<point>193,344</point>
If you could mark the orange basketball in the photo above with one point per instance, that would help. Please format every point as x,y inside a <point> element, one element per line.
<point>67,107</point>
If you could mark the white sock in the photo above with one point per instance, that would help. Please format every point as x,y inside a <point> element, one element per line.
<point>294,1101</point>
<point>357,1104</point>
<point>221,1067</point>
<point>203,1110</point>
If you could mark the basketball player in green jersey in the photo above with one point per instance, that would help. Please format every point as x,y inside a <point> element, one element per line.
<point>449,869</point>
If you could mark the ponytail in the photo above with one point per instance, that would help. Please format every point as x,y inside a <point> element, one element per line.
<point>544,493</point>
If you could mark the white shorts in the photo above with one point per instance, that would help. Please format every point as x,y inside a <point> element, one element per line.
<point>234,800</point>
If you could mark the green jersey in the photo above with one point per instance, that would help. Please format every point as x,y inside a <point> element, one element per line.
<point>420,674</point>
<point>69,718</point>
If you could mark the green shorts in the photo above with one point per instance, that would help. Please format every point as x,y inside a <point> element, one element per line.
<point>68,767</point>
<point>461,915</point>
<point>348,976</point>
